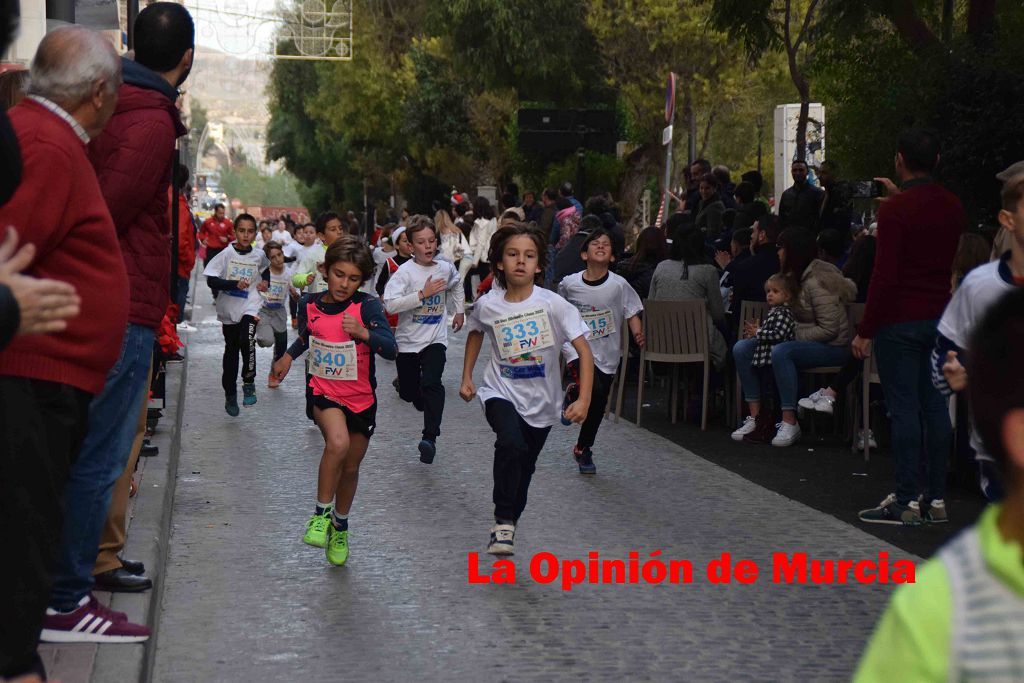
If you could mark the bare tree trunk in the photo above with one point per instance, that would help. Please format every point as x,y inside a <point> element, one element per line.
<point>910,25</point>
<point>641,163</point>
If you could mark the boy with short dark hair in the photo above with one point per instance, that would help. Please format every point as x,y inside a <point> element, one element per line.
<point>963,619</point>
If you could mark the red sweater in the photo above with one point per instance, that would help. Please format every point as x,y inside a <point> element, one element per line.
<point>59,208</point>
<point>918,232</point>
<point>217,234</point>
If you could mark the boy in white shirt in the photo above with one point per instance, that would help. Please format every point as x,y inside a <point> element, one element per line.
<point>423,291</point>
<point>521,390</point>
<point>606,301</point>
<point>272,325</point>
<point>236,272</point>
<point>308,273</point>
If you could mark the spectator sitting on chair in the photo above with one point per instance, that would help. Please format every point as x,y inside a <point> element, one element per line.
<point>822,332</point>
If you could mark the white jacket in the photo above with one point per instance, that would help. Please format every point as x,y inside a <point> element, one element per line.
<point>454,246</point>
<point>480,238</point>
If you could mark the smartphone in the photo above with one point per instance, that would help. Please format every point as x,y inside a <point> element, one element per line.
<point>866,189</point>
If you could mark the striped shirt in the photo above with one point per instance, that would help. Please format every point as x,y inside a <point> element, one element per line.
<point>60,112</point>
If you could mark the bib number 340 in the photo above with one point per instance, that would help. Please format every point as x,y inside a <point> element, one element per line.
<point>333,360</point>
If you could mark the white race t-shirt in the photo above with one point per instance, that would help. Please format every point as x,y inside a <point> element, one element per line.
<point>972,299</point>
<point>282,237</point>
<point>526,340</point>
<point>293,250</point>
<point>232,304</point>
<point>605,308</point>
<point>278,291</point>
<point>422,322</point>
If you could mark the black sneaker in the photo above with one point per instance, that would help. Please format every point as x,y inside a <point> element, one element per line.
<point>427,451</point>
<point>891,512</point>
<point>572,392</point>
<point>585,459</point>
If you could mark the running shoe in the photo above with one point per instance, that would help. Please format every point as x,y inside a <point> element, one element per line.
<point>585,459</point>
<point>572,392</point>
<point>231,405</point>
<point>249,393</point>
<point>819,401</point>
<point>502,537</point>
<point>91,622</point>
<point>337,545</point>
<point>428,449</point>
<point>891,512</point>
<point>316,529</point>
<point>748,426</point>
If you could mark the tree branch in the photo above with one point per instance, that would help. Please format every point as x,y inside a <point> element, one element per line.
<point>910,25</point>
<point>807,22</point>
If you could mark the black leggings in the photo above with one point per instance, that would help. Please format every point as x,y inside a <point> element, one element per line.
<point>239,341</point>
<point>280,345</point>
<point>598,402</point>
<point>419,383</point>
<point>515,457</point>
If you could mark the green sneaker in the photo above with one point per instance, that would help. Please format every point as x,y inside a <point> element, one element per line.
<point>316,529</point>
<point>337,545</point>
<point>231,405</point>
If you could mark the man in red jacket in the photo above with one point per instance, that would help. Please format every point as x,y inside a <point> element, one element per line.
<point>47,381</point>
<point>919,226</point>
<point>132,159</point>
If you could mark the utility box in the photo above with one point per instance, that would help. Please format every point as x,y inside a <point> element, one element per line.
<point>786,118</point>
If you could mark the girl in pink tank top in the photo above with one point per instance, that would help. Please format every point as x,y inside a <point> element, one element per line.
<point>341,328</point>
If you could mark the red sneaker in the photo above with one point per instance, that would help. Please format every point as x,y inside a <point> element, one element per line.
<point>93,622</point>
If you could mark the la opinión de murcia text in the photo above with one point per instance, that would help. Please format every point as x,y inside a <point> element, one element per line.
<point>653,568</point>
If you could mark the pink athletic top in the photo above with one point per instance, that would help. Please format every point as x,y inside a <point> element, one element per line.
<point>356,394</point>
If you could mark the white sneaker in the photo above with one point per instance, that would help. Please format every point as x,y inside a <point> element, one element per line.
<point>746,428</point>
<point>860,440</point>
<point>185,327</point>
<point>787,435</point>
<point>819,401</point>
<point>502,536</point>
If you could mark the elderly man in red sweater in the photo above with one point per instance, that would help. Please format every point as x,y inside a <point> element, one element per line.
<point>919,226</point>
<point>47,382</point>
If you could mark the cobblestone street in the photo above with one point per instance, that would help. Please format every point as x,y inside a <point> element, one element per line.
<point>246,600</point>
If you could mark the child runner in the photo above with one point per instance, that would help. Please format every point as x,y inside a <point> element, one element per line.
<point>272,327</point>
<point>403,253</point>
<point>605,300</point>
<point>777,327</point>
<point>307,273</point>
<point>422,292</point>
<point>521,390</point>
<point>963,617</point>
<point>342,328</point>
<point>235,272</point>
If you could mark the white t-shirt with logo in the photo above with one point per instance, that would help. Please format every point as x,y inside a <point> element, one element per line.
<point>605,308</point>
<point>422,322</point>
<point>278,291</point>
<point>233,304</point>
<point>526,339</point>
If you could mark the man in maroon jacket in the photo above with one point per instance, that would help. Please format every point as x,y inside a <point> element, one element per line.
<point>47,381</point>
<point>919,226</point>
<point>133,161</point>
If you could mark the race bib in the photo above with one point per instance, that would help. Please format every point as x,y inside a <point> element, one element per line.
<point>333,360</point>
<point>601,323</point>
<point>431,310</point>
<point>276,291</point>
<point>521,333</point>
<point>241,270</point>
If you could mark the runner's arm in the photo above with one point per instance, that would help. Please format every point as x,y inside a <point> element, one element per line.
<point>221,284</point>
<point>382,339</point>
<point>301,342</point>
<point>396,298</point>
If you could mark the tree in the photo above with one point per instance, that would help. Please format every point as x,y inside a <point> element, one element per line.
<point>795,27</point>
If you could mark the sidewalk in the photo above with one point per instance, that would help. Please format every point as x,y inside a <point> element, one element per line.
<point>148,530</point>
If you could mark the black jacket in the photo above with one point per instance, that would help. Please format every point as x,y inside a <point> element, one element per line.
<point>800,207</point>
<point>747,215</point>
<point>749,276</point>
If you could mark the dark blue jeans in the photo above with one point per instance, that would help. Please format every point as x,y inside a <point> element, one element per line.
<point>113,416</point>
<point>919,412</point>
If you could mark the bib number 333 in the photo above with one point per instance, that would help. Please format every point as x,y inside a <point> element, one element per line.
<point>522,333</point>
<point>333,360</point>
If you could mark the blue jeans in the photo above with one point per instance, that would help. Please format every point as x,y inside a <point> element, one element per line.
<point>113,416</point>
<point>180,295</point>
<point>903,352</point>
<point>788,359</point>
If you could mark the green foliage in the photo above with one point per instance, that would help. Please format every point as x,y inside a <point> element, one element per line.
<point>968,94</point>
<point>601,173</point>
<point>254,189</point>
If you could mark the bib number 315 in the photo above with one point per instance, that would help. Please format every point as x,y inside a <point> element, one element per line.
<point>333,360</point>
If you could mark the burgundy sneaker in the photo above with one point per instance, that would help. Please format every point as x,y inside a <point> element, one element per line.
<point>93,622</point>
